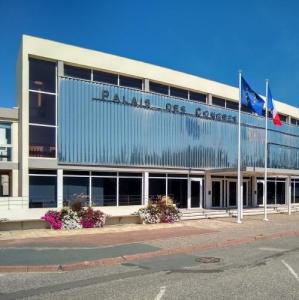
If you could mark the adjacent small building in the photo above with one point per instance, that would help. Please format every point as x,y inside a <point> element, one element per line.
<point>119,132</point>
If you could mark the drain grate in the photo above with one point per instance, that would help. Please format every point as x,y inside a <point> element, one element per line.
<point>207,260</point>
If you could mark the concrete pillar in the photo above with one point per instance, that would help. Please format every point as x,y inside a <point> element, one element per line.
<point>208,191</point>
<point>209,99</point>
<point>15,183</point>
<point>254,192</point>
<point>146,85</point>
<point>189,193</point>
<point>145,188</point>
<point>59,188</point>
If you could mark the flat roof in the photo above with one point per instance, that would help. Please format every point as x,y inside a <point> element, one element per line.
<point>79,56</point>
<point>10,114</point>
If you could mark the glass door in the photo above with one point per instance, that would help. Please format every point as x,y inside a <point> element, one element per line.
<point>231,193</point>
<point>216,193</point>
<point>260,192</point>
<point>196,192</point>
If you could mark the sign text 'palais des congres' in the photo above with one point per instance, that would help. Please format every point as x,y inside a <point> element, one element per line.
<point>171,108</point>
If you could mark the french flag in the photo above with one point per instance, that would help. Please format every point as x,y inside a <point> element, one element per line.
<point>272,108</point>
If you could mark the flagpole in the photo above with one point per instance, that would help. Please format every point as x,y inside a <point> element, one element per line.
<point>239,154</point>
<point>266,154</point>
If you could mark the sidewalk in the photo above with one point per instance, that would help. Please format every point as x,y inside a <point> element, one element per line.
<point>49,250</point>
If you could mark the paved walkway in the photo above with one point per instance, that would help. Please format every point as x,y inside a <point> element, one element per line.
<point>49,250</point>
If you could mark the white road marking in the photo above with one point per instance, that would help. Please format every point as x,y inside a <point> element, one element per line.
<point>273,249</point>
<point>161,293</point>
<point>291,270</point>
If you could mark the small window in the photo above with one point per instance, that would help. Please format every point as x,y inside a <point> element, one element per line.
<point>293,121</point>
<point>283,118</point>
<point>42,75</point>
<point>198,97</point>
<point>232,105</point>
<point>77,72</point>
<point>130,82</point>
<point>78,173</point>
<point>130,174</point>
<point>180,93</point>
<point>218,101</point>
<point>42,141</point>
<point>42,108</point>
<point>105,77</point>
<point>158,88</point>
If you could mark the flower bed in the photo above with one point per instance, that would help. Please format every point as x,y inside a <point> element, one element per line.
<point>67,218</point>
<point>161,212</point>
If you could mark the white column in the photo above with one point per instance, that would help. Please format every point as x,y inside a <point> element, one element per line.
<point>208,191</point>
<point>14,183</point>
<point>189,193</point>
<point>289,194</point>
<point>254,191</point>
<point>145,188</point>
<point>59,188</point>
<point>241,191</point>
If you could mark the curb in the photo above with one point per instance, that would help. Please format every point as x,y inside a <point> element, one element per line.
<point>144,256</point>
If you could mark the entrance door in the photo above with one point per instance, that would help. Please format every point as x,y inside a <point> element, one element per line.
<point>216,193</point>
<point>196,191</point>
<point>260,192</point>
<point>231,193</point>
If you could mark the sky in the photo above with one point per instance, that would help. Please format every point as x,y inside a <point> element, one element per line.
<point>212,39</point>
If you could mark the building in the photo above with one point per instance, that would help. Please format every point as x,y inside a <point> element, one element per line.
<point>119,132</point>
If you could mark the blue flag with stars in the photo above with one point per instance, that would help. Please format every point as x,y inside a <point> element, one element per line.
<point>250,98</point>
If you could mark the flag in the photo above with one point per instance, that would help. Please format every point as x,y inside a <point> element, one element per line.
<point>250,98</point>
<point>272,109</point>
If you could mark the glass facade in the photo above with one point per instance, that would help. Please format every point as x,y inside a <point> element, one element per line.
<point>42,108</point>
<point>130,191</point>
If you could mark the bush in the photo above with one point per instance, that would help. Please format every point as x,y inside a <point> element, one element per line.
<point>92,218</point>
<point>53,218</point>
<point>70,219</point>
<point>162,212</point>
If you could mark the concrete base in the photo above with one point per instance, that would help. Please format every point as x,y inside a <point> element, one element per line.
<point>40,224</point>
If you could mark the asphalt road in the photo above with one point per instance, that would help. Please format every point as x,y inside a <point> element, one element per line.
<point>261,270</point>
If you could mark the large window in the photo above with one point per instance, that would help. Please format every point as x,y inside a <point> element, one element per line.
<point>42,189</point>
<point>42,75</point>
<point>295,191</point>
<point>130,191</point>
<point>42,141</point>
<point>76,188</point>
<point>177,190</point>
<point>104,191</point>
<point>5,142</point>
<point>42,108</point>
<point>173,185</point>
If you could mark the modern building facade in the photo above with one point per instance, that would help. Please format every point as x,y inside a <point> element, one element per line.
<point>119,132</point>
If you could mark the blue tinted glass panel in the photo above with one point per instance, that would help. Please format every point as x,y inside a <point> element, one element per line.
<point>42,75</point>
<point>104,191</point>
<point>42,108</point>
<point>75,188</point>
<point>42,191</point>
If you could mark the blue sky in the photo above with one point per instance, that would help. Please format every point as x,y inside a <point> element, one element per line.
<point>212,39</point>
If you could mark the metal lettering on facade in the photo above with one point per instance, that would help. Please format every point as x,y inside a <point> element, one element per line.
<point>171,108</point>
